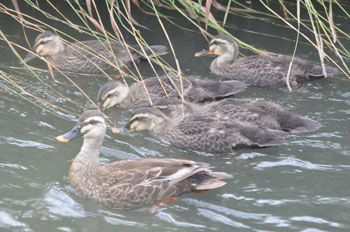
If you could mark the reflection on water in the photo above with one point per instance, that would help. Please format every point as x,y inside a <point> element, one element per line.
<point>299,186</point>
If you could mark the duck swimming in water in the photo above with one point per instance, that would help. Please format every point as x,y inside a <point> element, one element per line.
<point>166,87</point>
<point>203,132</point>
<point>90,56</point>
<point>133,183</point>
<point>220,126</point>
<point>263,71</point>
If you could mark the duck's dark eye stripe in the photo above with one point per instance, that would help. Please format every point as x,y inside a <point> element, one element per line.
<point>214,43</point>
<point>140,119</point>
<point>43,41</point>
<point>93,122</point>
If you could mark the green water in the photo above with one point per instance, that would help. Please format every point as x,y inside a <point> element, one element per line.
<point>302,185</point>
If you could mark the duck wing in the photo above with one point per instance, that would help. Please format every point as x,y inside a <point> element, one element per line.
<point>152,179</point>
<point>204,133</point>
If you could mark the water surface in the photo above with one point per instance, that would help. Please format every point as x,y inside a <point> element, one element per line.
<point>299,186</point>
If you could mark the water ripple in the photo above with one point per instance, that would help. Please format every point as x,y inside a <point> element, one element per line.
<point>62,204</point>
<point>316,220</point>
<point>220,218</point>
<point>225,210</point>
<point>117,221</point>
<point>292,161</point>
<point>7,221</point>
<point>169,218</point>
<point>25,143</point>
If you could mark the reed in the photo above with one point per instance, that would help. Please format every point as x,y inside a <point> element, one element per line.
<point>317,27</point>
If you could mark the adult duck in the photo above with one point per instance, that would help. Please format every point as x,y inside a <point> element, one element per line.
<point>92,56</point>
<point>133,183</point>
<point>263,71</point>
<point>203,132</point>
<point>165,88</point>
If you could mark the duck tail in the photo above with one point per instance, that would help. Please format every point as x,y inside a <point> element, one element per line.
<point>211,180</point>
<point>210,184</point>
<point>273,138</point>
<point>159,50</point>
<point>295,123</point>
<point>152,51</point>
<point>316,72</point>
<point>225,88</point>
<point>260,137</point>
<point>305,125</point>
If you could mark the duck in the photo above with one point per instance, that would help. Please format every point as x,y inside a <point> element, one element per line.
<point>262,71</point>
<point>202,132</point>
<point>133,183</point>
<point>165,88</point>
<point>259,113</point>
<point>92,56</point>
<point>264,114</point>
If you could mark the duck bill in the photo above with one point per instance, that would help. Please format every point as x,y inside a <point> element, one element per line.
<point>100,106</point>
<point>72,134</point>
<point>204,52</point>
<point>120,130</point>
<point>30,56</point>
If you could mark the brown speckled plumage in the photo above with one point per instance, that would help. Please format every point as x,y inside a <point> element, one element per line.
<point>87,56</point>
<point>259,113</point>
<point>204,132</point>
<point>263,71</point>
<point>165,88</point>
<point>131,183</point>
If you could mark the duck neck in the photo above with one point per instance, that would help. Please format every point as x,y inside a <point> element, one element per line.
<point>85,165</point>
<point>88,156</point>
<point>160,126</point>
<point>91,148</point>
<point>125,96</point>
<point>59,53</point>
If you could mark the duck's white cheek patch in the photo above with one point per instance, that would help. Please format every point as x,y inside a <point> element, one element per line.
<point>217,51</point>
<point>39,50</point>
<point>106,103</point>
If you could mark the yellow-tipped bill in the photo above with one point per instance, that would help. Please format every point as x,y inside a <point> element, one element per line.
<point>62,139</point>
<point>118,130</point>
<point>72,134</point>
<point>203,52</point>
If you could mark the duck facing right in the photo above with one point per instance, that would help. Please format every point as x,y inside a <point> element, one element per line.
<point>262,71</point>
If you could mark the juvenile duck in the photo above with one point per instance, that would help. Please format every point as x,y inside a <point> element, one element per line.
<point>88,56</point>
<point>263,114</point>
<point>131,183</point>
<point>204,132</point>
<point>194,90</point>
<point>263,71</point>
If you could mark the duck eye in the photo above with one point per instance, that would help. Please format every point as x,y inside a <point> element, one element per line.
<point>110,95</point>
<point>44,42</point>
<point>93,122</point>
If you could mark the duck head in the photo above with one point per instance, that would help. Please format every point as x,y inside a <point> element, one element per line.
<point>147,118</point>
<point>111,94</point>
<point>46,44</point>
<point>221,45</point>
<point>91,125</point>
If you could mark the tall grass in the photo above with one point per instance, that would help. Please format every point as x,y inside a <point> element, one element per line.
<point>317,27</point>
